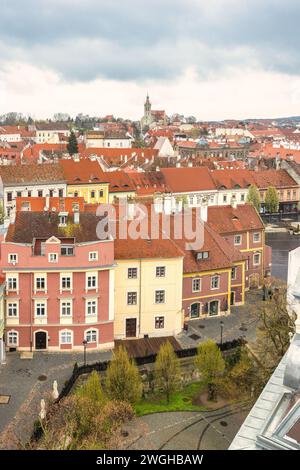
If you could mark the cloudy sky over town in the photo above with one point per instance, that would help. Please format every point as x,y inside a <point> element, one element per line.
<point>213,59</point>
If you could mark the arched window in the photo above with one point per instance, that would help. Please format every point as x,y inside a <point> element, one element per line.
<point>12,338</point>
<point>91,336</point>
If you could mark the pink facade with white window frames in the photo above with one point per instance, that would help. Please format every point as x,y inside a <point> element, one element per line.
<point>56,303</point>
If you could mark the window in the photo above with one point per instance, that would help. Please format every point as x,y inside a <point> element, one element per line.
<point>9,197</point>
<point>91,307</point>
<point>93,255</point>
<point>294,194</point>
<point>238,239</point>
<point>12,283</point>
<point>40,283</point>
<point>12,258</point>
<point>101,193</point>
<point>12,309</point>
<point>202,255</point>
<point>40,309</point>
<point>256,237</point>
<point>256,259</point>
<point>60,192</point>
<point>288,195</point>
<point>159,296</point>
<point>131,298</point>
<point>12,338</point>
<point>29,193</point>
<point>191,199</point>
<point>132,273</point>
<point>196,284</point>
<point>159,322</point>
<point>19,193</point>
<point>243,197</point>
<point>92,194</point>
<point>225,198</point>
<point>233,273</point>
<point>160,271</point>
<point>51,192</point>
<point>91,282</point>
<point>247,264</point>
<point>91,336</point>
<point>67,250</point>
<point>215,282</point>
<point>40,193</point>
<point>66,282</point>
<point>66,337</point>
<point>75,206</point>
<point>52,257</point>
<point>66,308</point>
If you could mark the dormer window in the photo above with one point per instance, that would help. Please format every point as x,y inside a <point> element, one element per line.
<point>202,255</point>
<point>67,250</point>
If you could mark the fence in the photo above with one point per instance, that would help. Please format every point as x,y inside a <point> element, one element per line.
<point>140,361</point>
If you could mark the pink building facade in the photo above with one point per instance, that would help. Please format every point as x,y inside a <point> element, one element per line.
<point>59,289</point>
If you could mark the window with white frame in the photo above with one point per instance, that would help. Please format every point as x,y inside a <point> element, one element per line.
<point>238,239</point>
<point>12,309</point>
<point>242,197</point>
<point>233,273</point>
<point>91,307</point>
<point>256,237</point>
<point>66,337</point>
<point>159,322</point>
<point>40,282</point>
<point>132,273</point>
<point>160,296</point>
<point>12,338</point>
<point>67,250</point>
<point>93,255</point>
<point>256,259</point>
<point>66,282</point>
<point>40,309</point>
<point>91,336</point>
<point>196,284</point>
<point>215,282</point>
<point>224,197</point>
<point>131,298</point>
<point>66,308</point>
<point>160,271</point>
<point>12,283</point>
<point>12,258</point>
<point>91,281</point>
<point>52,257</point>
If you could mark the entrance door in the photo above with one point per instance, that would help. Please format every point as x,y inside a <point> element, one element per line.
<point>195,310</point>
<point>130,327</point>
<point>40,340</point>
<point>232,298</point>
<point>214,307</point>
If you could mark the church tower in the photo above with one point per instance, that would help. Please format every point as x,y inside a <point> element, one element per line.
<point>147,108</point>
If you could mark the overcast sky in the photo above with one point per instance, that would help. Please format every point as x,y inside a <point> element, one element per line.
<point>210,58</point>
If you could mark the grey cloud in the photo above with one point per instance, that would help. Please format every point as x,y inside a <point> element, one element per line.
<point>137,40</point>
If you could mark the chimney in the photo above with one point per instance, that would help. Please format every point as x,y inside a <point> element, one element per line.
<point>47,202</point>
<point>178,165</point>
<point>158,204</point>
<point>167,204</point>
<point>190,164</point>
<point>203,211</point>
<point>76,217</point>
<point>233,202</point>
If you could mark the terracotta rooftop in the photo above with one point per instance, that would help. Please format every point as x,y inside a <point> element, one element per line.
<point>188,179</point>
<point>82,171</point>
<point>232,179</point>
<point>226,219</point>
<point>276,178</point>
<point>119,181</point>
<point>26,174</point>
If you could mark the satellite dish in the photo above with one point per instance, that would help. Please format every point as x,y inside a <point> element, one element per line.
<point>53,209</point>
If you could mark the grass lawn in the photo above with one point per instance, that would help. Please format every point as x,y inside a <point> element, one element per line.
<point>180,401</point>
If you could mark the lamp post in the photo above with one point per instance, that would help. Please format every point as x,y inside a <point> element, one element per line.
<point>221,326</point>
<point>84,342</point>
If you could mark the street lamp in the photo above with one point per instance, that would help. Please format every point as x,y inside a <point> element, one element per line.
<point>221,326</point>
<point>84,342</point>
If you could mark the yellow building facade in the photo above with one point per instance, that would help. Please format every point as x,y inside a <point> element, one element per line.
<point>148,297</point>
<point>92,193</point>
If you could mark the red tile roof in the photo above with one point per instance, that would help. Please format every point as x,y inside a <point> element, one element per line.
<point>276,178</point>
<point>231,179</point>
<point>82,171</point>
<point>25,174</point>
<point>226,219</point>
<point>188,179</point>
<point>37,204</point>
<point>119,181</point>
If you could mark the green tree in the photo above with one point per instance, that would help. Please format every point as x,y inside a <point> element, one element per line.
<point>123,381</point>
<point>211,365</point>
<point>271,200</point>
<point>167,370</point>
<point>275,325</point>
<point>92,389</point>
<point>72,145</point>
<point>253,197</point>
<point>1,213</point>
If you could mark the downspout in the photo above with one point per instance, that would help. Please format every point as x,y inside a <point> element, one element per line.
<point>30,297</point>
<point>140,298</point>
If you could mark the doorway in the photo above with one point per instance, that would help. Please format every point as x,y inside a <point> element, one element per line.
<point>40,340</point>
<point>232,298</point>
<point>214,307</point>
<point>130,327</point>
